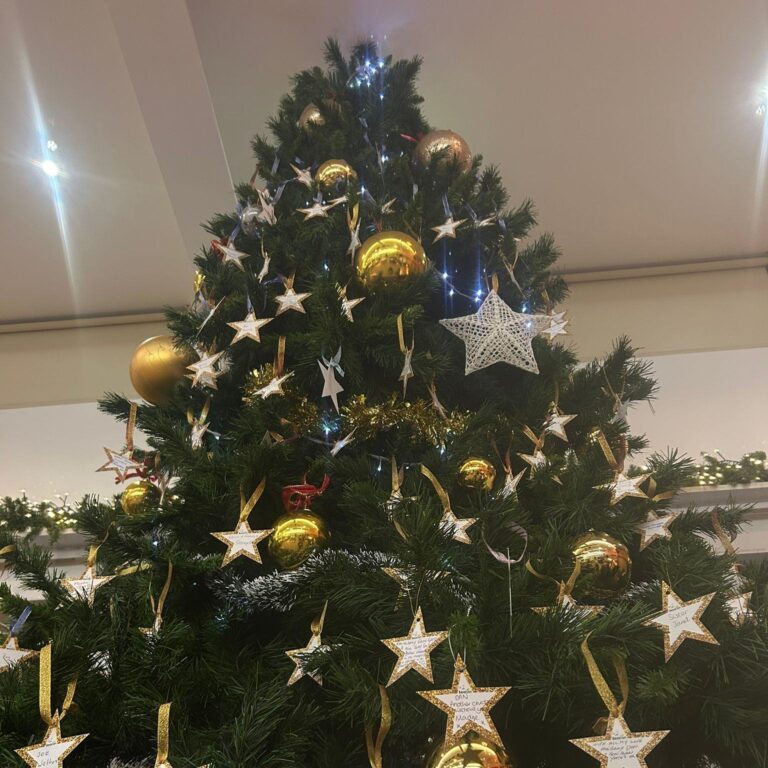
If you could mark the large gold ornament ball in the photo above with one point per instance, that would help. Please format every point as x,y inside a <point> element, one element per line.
<point>448,145</point>
<point>311,115</point>
<point>477,473</point>
<point>606,567</point>
<point>333,172</point>
<point>139,497</point>
<point>388,257</point>
<point>156,367</point>
<point>472,751</point>
<point>296,536</point>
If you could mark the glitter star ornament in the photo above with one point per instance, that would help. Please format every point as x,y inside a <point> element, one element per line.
<point>467,706</point>
<point>556,326</point>
<point>413,650</point>
<point>447,229</point>
<point>457,526</point>
<point>347,305</point>
<point>291,300</point>
<point>273,387</point>
<point>230,254</point>
<point>204,371</point>
<point>623,486</point>
<point>315,211</point>
<point>243,541</point>
<point>297,655</point>
<point>537,459</point>
<point>655,527</point>
<point>11,654</point>
<point>52,750</point>
<point>248,328</point>
<point>681,620</point>
<point>556,422</point>
<point>497,334</point>
<point>510,484</point>
<point>619,747</point>
<point>121,463</point>
<point>85,587</point>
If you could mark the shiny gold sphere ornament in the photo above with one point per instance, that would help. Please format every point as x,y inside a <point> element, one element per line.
<point>156,367</point>
<point>139,497</point>
<point>472,751</point>
<point>333,172</point>
<point>296,536</point>
<point>446,144</point>
<point>311,116</point>
<point>388,257</point>
<point>477,473</point>
<point>605,567</point>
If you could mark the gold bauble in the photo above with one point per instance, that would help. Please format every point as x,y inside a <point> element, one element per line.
<point>156,367</point>
<point>448,145</point>
<point>296,536</point>
<point>139,498</point>
<point>388,257</point>
<point>605,567</point>
<point>310,116</point>
<point>332,172</point>
<point>472,751</point>
<point>477,473</point>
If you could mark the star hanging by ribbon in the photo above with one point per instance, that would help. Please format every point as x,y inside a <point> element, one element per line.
<point>85,587</point>
<point>51,751</point>
<point>556,326</point>
<point>447,229</point>
<point>230,254</point>
<point>121,463</point>
<point>290,299</point>
<point>204,371</point>
<point>556,423</point>
<point>347,305</point>
<point>622,486</point>
<point>11,654</point>
<point>413,650</point>
<point>303,176</point>
<point>248,328</point>
<point>620,747</point>
<point>331,387</point>
<point>243,541</point>
<point>655,527</point>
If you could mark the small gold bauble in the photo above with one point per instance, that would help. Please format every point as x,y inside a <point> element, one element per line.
<point>310,116</point>
<point>477,473</point>
<point>333,172</point>
<point>605,567</point>
<point>472,751</point>
<point>296,536</point>
<point>139,498</point>
<point>448,145</point>
<point>156,367</point>
<point>388,257</point>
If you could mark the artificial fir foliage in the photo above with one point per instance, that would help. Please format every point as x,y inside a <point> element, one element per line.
<point>224,640</point>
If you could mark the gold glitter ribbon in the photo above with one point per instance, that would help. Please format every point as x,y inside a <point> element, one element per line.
<point>439,490</point>
<point>725,539</point>
<point>317,624</point>
<point>133,569</point>
<point>130,426</point>
<point>246,507</point>
<point>158,610</point>
<point>599,437</point>
<point>655,497</point>
<point>565,588</point>
<point>615,708</point>
<point>46,667</point>
<point>375,747</point>
<point>191,420</point>
<point>7,549</point>
<point>280,356</point>
<point>163,723</point>
<point>537,440</point>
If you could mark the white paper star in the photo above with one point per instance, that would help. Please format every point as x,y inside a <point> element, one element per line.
<point>204,371</point>
<point>339,445</point>
<point>197,433</point>
<point>273,387</point>
<point>354,240</point>
<point>52,750</point>
<point>457,526</point>
<point>248,328</point>
<point>121,463</point>
<point>556,326</point>
<point>85,587</point>
<point>655,527</point>
<point>413,650</point>
<point>291,300</point>
<point>264,268</point>
<point>267,214</point>
<point>297,657</point>
<point>231,255</point>
<point>620,748</point>
<point>681,620</point>
<point>738,607</point>
<point>303,176</point>
<point>623,486</point>
<point>407,372</point>
<point>331,387</point>
<point>468,707</point>
<point>243,541</point>
<point>537,459</point>
<point>315,211</point>
<point>510,484</point>
<point>11,654</point>
<point>495,333</point>
<point>556,422</point>
<point>347,305</point>
<point>448,229</point>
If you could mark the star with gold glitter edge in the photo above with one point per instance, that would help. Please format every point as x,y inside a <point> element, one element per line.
<point>230,254</point>
<point>655,527</point>
<point>347,305</point>
<point>85,587</point>
<point>557,421</point>
<point>447,229</point>
<point>622,486</point>
<point>248,328</point>
<point>204,371</point>
<point>620,747</point>
<point>121,463</point>
<point>51,751</point>
<point>457,526</point>
<point>467,706</point>
<point>290,300</point>
<point>11,654</point>
<point>413,650</point>
<point>680,620</point>
<point>315,643</point>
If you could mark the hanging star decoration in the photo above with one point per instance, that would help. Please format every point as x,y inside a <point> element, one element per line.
<point>267,214</point>
<point>737,607</point>
<point>303,176</point>
<point>497,334</point>
<point>455,526</point>
<point>248,328</point>
<point>339,445</point>
<point>353,224</point>
<point>52,750</point>
<point>681,620</point>
<point>413,650</point>
<point>274,386</point>
<point>11,653</point>
<point>467,706</point>
<point>347,305</point>
<point>85,587</point>
<point>511,481</point>
<point>620,747</point>
<point>556,423</point>
<point>318,210</point>
<point>331,386</point>
<point>655,527</point>
<point>556,326</point>
<point>230,254</point>
<point>290,299</point>
<point>447,229</point>
<point>264,271</point>
<point>244,541</point>
<point>205,371</point>
<point>622,486</point>
<point>121,463</point>
<point>198,426</point>
<point>407,372</point>
<point>537,459</point>
<point>298,655</point>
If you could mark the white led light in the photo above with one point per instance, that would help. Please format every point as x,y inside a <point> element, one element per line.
<point>50,168</point>
<point>52,145</point>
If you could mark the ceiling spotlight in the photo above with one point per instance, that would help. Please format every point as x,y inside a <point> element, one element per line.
<point>52,145</point>
<point>50,168</point>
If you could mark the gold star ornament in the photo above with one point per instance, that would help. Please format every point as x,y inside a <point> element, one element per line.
<point>619,747</point>
<point>413,650</point>
<point>11,654</point>
<point>52,750</point>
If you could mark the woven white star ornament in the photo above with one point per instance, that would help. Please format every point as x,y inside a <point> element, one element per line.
<point>497,334</point>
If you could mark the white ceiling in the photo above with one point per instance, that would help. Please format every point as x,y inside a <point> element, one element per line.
<point>632,125</point>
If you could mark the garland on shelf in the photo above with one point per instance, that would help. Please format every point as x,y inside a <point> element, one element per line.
<point>22,515</point>
<point>715,469</point>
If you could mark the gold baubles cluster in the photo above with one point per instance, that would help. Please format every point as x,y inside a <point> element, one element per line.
<point>472,751</point>
<point>605,565</point>
<point>295,536</point>
<point>333,172</point>
<point>139,498</point>
<point>156,367</point>
<point>477,473</point>
<point>447,145</point>
<point>389,257</point>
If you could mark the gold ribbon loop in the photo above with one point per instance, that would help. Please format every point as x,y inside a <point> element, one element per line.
<point>163,722</point>
<point>7,549</point>
<point>725,539</point>
<point>565,588</point>
<point>127,571</point>
<point>615,708</point>
<point>439,490</point>
<point>656,497</point>
<point>495,283</point>
<point>599,437</point>
<point>317,624</point>
<point>374,747</point>
<point>45,693</point>
<point>280,356</point>
<point>246,507</point>
<point>130,426</point>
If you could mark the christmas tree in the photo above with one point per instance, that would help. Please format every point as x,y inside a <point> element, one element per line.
<point>385,518</point>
